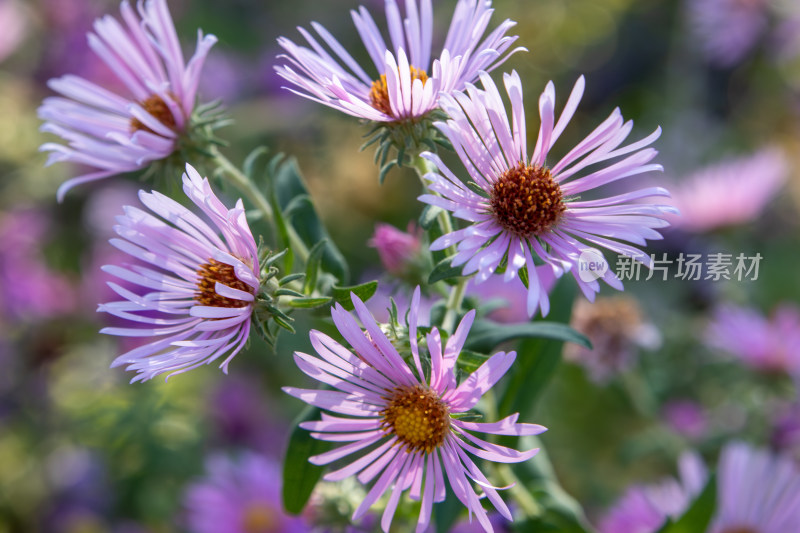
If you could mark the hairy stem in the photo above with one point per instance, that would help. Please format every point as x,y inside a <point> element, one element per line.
<point>458,291</point>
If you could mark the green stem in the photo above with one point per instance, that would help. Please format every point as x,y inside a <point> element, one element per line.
<point>249,189</point>
<point>453,305</point>
<point>457,292</point>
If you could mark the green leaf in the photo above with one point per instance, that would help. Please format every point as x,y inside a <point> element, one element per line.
<point>300,476</point>
<point>523,275</point>
<point>698,517</point>
<point>312,266</point>
<point>252,158</point>
<point>469,361</point>
<point>290,278</point>
<point>446,513</point>
<point>290,193</point>
<point>538,358</point>
<point>443,271</point>
<point>561,513</point>
<point>486,335</point>
<point>309,303</point>
<point>363,291</point>
<point>474,187</point>
<point>429,216</point>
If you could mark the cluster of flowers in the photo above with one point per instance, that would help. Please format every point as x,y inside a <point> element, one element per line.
<point>193,284</point>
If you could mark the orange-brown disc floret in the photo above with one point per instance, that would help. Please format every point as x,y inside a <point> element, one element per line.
<point>379,94</point>
<point>210,274</point>
<point>526,200</point>
<point>417,417</point>
<point>158,108</point>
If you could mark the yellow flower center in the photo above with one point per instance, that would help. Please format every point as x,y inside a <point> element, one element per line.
<point>158,108</point>
<point>526,200</point>
<point>379,94</point>
<point>259,518</point>
<point>417,417</point>
<point>212,272</point>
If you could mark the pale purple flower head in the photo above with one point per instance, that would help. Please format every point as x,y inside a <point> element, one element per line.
<point>398,250</point>
<point>765,344</point>
<point>197,289</point>
<point>633,513</point>
<point>645,508</point>
<point>399,422</point>
<point>757,492</point>
<point>407,85</point>
<point>731,192</point>
<point>120,133</point>
<point>239,496</point>
<point>686,418</point>
<point>527,208</point>
<point>727,30</point>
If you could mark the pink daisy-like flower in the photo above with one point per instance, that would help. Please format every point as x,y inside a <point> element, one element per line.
<point>407,86</point>
<point>727,30</point>
<point>730,192</point>
<point>404,426</point>
<point>644,508</point>
<point>765,344</point>
<point>757,492</point>
<point>527,208</point>
<point>241,496</point>
<point>114,133</point>
<point>198,289</point>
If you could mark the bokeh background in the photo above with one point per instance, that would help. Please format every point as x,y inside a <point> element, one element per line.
<point>82,451</point>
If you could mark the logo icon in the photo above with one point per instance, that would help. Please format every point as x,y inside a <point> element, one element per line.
<point>591,265</point>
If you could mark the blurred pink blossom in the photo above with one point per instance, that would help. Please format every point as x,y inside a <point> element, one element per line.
<point>727,30</point>
<point>239,496</point>
<point>398,250</point>
<point>767,344</point>
<point>13,27</point>
<point>617,329</point>
<point>733,191</point>
<point>644,508</point>
<point>29,289</point>
<point>686,418</point>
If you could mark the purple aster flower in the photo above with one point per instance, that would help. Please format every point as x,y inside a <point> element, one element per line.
<point>197,288</point>
<point>241,496</point>
<point>527,208</point>
<point>765,344</point>
<point>644,508</point>
<point>405,427</point>
<point>113,133</point>
<point>731,192</point>
<point>757,492</point>
<point>727,30</point>
<point>407,85</point>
